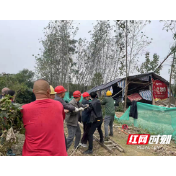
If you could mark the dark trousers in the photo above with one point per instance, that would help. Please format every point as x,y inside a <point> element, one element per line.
<point>65,142</point>
<point>94,126</point>
<point>86,128</point>
<point>73,131</point>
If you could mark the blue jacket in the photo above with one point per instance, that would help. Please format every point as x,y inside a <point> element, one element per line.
<point>86,112</point>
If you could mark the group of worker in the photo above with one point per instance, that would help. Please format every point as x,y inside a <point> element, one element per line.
<point>44,118</point>
<point>89,110</point>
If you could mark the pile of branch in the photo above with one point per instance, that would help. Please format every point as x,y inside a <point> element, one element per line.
<point>10,118</point>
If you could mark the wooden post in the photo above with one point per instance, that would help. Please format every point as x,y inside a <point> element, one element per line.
<point>153,100</point>
<point>171,80</point>
<point>126,93</point>
<point>126,87</point>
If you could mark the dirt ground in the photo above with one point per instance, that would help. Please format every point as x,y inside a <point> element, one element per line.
<point>120,138</point>
<point>130,150</point>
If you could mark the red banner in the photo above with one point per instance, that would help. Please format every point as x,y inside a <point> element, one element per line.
<point>159,90</point>
<point>134,97</point>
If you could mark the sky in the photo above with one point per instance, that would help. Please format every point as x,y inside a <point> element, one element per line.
<point>19,40</point>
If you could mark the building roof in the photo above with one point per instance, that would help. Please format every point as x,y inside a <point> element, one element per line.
<point>109,84</point>
<point>104,86</point>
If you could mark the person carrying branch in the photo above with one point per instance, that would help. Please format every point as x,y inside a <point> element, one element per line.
<point>108,101</point>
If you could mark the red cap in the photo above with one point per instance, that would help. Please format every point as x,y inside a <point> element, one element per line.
<point>76,94</point>
<point>85,94</point>
<point>60,89</point>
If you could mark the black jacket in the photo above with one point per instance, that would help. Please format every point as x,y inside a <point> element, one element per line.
<point>67,106</point>
<point>95,107</point>
<point>133,110</point>
<point>86,112</point>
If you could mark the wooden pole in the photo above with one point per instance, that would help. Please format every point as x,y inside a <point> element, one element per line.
<point>126,70</point>
<point>153,100</point>
<point>164,60</point>
<point>171,80</point>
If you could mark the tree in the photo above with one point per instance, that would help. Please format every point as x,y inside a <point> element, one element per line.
<point>150,65</point>
<point>21,83</point>
<point>24,96</point>
<point>170,25</point>
<point>101,55</point>
<point>63,60</point>
<point>55,61</point>
<point>97,79</point>
<point>25,76</point>
<point>11,82</point>
<point>137,41</point>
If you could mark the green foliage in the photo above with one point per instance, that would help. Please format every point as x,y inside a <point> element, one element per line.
<point>11,82</point>
<point>24,96</point>
<point>26,77</point>
<point>59,45</point>
<point>97,79</point>
<point>9,112</point>
<point>150,65</point>
<point>21,80</point>
<point>10,116</point>
<point>120,108</point>
<point>21,83</point>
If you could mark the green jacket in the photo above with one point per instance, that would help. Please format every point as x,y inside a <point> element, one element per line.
<point>109,106</point>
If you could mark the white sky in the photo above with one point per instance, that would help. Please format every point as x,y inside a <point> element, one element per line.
<point>19,41</point>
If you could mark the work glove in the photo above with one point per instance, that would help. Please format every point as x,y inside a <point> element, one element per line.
<point>76,109</point>
<point>87,105</point>
<point>81,109</point>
